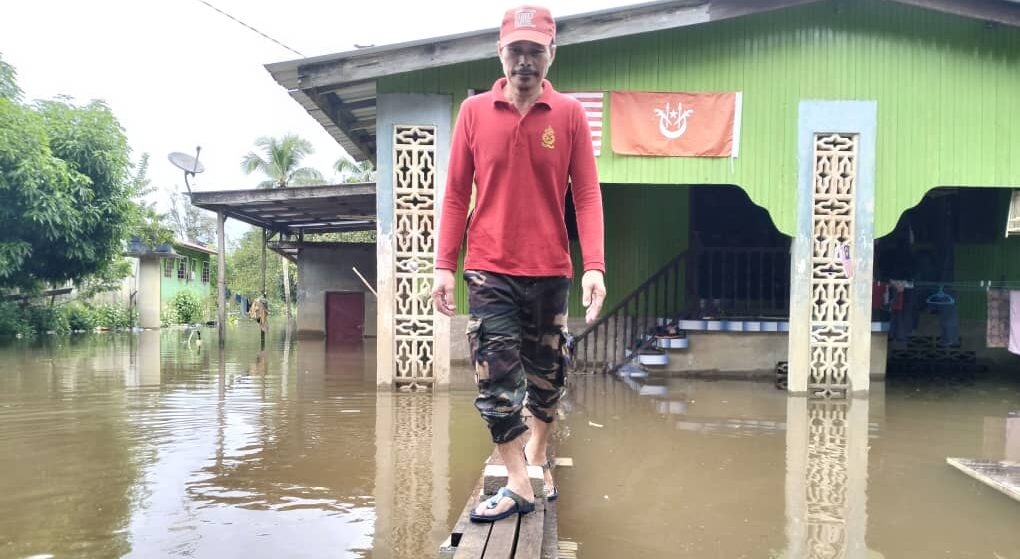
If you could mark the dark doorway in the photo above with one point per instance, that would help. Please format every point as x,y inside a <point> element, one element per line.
<point>345,317</point>
<point>741,262</point>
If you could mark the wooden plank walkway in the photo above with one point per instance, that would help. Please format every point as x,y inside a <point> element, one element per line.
<point>531,536</point>
<point>1002,476</point>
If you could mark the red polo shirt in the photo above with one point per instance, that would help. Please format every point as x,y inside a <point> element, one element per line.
<point>520,167</point>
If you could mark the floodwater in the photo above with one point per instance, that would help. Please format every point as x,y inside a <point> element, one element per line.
<point>141,445</point>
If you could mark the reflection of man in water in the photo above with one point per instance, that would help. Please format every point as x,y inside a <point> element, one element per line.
<point>519,143</point>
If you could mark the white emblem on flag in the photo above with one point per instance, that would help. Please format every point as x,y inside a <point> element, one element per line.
<point>592,103</point>
<point>524,18</point>
<point>673,122</point>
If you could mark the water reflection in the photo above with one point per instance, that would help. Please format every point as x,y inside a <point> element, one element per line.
<point>142,445</point>
<point>826,479</point>
<point>56,431</point>
<point>412,456</point>
<point>146,446</point>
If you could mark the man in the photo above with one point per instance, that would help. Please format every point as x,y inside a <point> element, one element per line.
<point>520,144</point>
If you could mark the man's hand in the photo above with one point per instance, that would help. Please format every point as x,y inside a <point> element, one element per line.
<point>593,287</point>
<point>442,292</point>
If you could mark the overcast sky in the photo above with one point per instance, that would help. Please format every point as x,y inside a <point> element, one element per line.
<point>178,74</point>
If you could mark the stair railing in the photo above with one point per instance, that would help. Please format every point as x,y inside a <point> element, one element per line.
<point>628,329</point>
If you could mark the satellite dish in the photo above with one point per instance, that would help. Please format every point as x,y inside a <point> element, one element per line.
<point>190,165</point>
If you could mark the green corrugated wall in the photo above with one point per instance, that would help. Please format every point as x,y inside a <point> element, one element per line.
<point>948,89</point>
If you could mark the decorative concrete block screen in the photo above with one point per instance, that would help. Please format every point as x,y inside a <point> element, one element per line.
<point>835,172</point>
<point>414,199</point>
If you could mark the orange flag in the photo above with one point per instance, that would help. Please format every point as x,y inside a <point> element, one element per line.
<point>675,124</point>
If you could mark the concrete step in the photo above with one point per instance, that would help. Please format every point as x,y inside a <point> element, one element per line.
<point>495,476</point>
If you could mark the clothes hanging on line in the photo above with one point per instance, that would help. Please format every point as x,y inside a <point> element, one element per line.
<point>998,318</point>
<point>887,296</point>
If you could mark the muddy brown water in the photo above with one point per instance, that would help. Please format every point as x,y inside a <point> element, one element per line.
<point>139,445</point>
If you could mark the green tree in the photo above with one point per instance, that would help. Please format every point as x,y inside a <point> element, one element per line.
<point>67,199</point>
<point>188,222</point>
<point>351,171</point>
<point>280,163</point>
<point>244,270</point>
<point>149,224</point>
<point>9,82</point>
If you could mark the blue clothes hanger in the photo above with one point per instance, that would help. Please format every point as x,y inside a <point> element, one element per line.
<point>940,297</point>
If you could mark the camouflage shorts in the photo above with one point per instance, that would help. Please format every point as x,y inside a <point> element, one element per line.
<point>517,331</point>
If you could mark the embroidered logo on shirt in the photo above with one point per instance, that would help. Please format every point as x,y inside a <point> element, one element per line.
<point>548,138</point>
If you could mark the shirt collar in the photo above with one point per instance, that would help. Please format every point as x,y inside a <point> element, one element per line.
<point>544,99</point>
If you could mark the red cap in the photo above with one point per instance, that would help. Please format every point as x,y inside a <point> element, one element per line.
<point>527,23</point>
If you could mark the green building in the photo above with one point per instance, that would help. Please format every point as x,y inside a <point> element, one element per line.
<point>190,268</point>
<point>870,126</point>
<point>167,270</point>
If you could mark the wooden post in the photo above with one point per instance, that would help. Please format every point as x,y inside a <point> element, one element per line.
<point>265,240</point>
<point>221,281</point>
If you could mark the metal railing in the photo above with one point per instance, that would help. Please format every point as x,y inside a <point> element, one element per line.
<point>699,283</point>
<point>625,330</point>
<point>742,282</point>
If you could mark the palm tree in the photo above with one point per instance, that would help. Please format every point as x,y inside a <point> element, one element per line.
<point>280,162</point>
<point>354,171</point>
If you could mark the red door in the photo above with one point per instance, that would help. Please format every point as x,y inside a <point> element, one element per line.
<point>345,317</point>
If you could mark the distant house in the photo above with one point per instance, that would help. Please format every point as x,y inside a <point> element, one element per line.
<point>188,268</point>
<point>871,134</point>
<point>163,272</point>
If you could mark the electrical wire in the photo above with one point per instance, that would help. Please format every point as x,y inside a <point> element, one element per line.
<point>251,28</point>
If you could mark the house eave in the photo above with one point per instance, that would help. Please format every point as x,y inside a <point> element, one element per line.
<point>339,90</point>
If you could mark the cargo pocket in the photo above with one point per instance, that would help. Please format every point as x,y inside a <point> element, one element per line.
<point>474,332</point>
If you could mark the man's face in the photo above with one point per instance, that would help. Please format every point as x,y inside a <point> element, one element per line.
<point>525,63</point>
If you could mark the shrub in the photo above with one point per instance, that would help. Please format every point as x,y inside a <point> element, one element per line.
<point>47,318</point>
<point>114,316</point>
<point>187,307</point>
<point>81,317</point>
<point>168,315</point>
<point>12,320</point>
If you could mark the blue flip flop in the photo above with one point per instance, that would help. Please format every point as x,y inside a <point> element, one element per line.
<point>521,506</point>
<point>556,487</point>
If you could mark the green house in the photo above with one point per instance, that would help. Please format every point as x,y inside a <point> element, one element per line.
<point>865,125</point>
<point>189,269</point>
<point>167,270</point>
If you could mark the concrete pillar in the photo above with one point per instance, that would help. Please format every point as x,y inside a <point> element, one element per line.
<point>812,343</point>
<point>148,292</point>
<point>420,356</point>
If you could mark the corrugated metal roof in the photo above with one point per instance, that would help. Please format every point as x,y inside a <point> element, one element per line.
<point>296,210</point>
<point>339,90</point>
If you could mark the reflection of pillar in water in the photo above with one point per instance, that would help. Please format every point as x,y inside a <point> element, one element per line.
<point>412,473</point>
<point>826,479</point>
<point>146,369</point>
